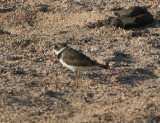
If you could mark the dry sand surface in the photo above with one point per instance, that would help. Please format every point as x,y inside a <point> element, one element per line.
<point>35,87</point>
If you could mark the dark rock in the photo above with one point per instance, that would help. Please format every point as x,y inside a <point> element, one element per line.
<point>132,11</point>
<point>44,8</point>
<point>18,71</point>
<point>138,21</point>
<point>133,17</point>
<point>6,10</point>
<point>14,58</point>
<point>132,22</point>
<point>30,23</point>
<point>90,95</point>
<point>37,74</point>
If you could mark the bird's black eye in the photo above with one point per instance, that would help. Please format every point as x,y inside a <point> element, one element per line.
<point>55,47</point>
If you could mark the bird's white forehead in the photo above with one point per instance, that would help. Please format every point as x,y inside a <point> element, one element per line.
<point>59,51</point>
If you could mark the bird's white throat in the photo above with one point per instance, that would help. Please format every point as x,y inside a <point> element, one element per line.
<point>58,52</point>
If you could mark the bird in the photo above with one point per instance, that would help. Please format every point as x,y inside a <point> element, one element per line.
<point>75,60</point>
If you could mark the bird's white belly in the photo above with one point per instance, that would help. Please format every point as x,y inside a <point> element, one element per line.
<point>74,68</point>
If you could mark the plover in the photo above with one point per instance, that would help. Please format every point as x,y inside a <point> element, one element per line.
<point>75,60</point>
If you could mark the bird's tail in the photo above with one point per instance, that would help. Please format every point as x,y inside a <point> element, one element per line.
<point>106,66</point>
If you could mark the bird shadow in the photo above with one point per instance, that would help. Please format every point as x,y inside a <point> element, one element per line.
<point>98,77</point>
<point>92,75</point>
<point>119,58</point>
<point>136,75</point>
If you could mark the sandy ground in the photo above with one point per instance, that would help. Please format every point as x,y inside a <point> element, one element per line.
<point>35,87</point>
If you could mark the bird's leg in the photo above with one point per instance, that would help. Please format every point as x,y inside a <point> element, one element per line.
<point>77,76</point>
<point>85,75</point>
<point>76,80</point>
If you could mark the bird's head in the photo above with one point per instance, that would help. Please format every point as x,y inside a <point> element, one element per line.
<point>59,47</point>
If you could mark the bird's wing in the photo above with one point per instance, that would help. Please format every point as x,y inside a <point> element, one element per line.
<point>77,58</point>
